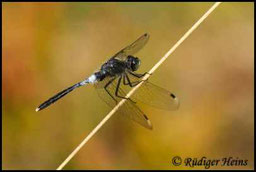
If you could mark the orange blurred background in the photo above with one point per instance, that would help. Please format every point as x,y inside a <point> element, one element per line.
<point>50,46</point>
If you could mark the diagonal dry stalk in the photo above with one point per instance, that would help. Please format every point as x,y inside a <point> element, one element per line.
<point>136,87</point>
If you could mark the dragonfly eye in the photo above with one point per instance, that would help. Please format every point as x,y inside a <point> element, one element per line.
<point>133,63</point>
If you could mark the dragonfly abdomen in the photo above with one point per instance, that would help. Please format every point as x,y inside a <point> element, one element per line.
<point>61,94</point>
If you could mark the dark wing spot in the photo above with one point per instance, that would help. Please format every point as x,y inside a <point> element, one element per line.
<point>145,117</point>
<point>172,95</point>
<point>149,123</point>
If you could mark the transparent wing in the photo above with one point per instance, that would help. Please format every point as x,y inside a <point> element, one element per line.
<point>155,96</point>
<point>128,109</point>
<point>102,92</point>
<point>133,48</point>
<point>102,83</point>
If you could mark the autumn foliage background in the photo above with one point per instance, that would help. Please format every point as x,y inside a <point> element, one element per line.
<point>50,46</point>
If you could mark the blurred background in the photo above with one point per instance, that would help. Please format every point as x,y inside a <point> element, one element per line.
<point>50,46</point>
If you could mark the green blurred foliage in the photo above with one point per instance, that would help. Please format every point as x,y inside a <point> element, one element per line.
<point>49,46</point>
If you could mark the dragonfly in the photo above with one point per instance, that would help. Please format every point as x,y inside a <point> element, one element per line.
<point>114,79</point>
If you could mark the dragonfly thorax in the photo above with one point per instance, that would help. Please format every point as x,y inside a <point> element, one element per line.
<point>113,67</point>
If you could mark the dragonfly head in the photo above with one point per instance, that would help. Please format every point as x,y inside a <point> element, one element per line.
<point>133,63</point>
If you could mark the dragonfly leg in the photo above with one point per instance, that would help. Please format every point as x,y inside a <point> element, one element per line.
<point>106,86</point>
<point>124,76</point>
<point>138,75</point>
<point>131,84</point>
<point>124,81</point>
<point>117,89</point>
